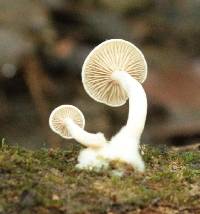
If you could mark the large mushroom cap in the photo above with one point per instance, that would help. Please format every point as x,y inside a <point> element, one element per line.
<point>59,116</point>
<point>112,55</point>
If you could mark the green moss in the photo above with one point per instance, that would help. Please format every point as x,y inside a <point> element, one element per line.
<point>46,181</point>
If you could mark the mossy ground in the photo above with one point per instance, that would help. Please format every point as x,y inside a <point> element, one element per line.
<point>46,181</point>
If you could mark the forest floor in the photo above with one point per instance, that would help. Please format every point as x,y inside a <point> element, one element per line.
<point>46,181</point>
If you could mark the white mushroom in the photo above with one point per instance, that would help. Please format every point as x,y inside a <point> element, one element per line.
<point>112,73</point>
<point>68,122</point>
<point>108,57</point>
<point>124,145</point>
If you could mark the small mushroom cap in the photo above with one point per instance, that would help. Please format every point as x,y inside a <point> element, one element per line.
<point>112,55</point>
<point>60,115</point>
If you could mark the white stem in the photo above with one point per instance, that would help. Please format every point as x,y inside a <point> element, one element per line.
<point>85,138</point>
<point>137,102</point>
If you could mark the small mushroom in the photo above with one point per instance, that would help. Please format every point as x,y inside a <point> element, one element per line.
<point>68,122</point>
<point>108,57</point>
<point>112,73</point>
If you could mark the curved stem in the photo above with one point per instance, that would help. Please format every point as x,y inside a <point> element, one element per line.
<point>85,138</point>
<point>137,102</point>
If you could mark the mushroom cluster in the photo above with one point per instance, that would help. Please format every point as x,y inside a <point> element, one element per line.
<point>111,74</point>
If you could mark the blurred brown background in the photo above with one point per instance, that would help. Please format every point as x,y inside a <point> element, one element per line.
<point>43,44</point>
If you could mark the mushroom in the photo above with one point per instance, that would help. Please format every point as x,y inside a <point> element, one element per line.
<point>112,73</point>
<point>68,122</point>
<point>108,57</point>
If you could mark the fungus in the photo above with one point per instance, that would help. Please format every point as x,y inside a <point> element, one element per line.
<point>68,122</point>
<point>108,57</point>
<point>111,74</point>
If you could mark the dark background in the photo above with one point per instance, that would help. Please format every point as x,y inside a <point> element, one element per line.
<point>43,44</point>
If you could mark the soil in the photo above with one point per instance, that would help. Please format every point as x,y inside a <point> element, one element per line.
<point>46,181</point>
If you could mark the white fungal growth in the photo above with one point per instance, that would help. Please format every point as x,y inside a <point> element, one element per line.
<point>124,146</point>
<point>68,121</point>
<point>85,138</point>
<point>108,57</point>
<point>111,74</point>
